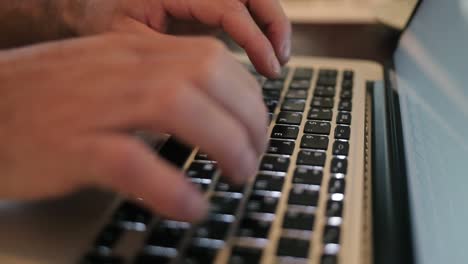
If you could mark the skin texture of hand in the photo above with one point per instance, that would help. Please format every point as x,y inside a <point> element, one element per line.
<point>244,20</point>
<point>69,110</point>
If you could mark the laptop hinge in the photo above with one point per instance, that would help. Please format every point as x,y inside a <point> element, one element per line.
<point>391,218</point>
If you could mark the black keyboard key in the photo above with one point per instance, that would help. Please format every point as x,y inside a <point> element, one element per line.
<point>290,247</point>
<point>346,94</point>
<point>285,132</point>
<point>151,259</point>
<point>200,255</point>
<point>348,75</point>
<point>308,176</point>
<point>345,105</point>
<point>331,235</point>
<point>289,118</point>
<point>293,105</point>
<point>303,74</point>
<point>224,204</point>
<point>201,184</point>
<point>336,186</point>
<point>322,102</point>
<point>201,170</point>
<point>339,166</point>
<point>326,81</point>
<point>298,220</point>
<point>329,259</point>
<point>273,85</point>
<point>282,147</point>
<point>202,156</point>
<point>272,94</point>
<point>343,118</point>
<point>347,84</point>
<point>168,234</point>
<point>316,127</point>
<point>342,132</point>
<point>320,114</point>
<point>212,229</point>
<point>225,187</point>
<point>328,72</point>
<point>102,259</point>
<point>271,105</point>
<point>109,236</point>
<point>131,212</point>
<point>324,91</point>
<point>273,163</point>
<point>245,255</point>
<point>255,227</point>
<point>297,94</point>
<point>300,195</point>
<point>175,152</point>
<point>261,204</point>
<point>299,84</point>
<point>266,182</point>
<point>334,208</point>
<point>314,142</point>
<point>311,158</point>
<point>340,148</point>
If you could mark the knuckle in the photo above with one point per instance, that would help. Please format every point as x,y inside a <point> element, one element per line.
<point>211,63</point>
<point>234,6</point>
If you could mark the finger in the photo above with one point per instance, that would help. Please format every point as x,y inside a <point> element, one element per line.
<point>270,15</point>
<point>230,84</point>
<point>235,19</point>
<point>202,122</point>
<point>129,167</point>
<point>241,95</point>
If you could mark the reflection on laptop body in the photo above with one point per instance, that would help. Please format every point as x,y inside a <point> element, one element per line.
<point>365,164</point>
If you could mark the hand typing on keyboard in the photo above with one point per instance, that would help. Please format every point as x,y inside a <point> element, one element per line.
<point>69,107</point>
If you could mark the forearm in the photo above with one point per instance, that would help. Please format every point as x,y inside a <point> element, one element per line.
<point>25,22</point>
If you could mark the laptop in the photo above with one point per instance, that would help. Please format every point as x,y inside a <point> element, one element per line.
<point>366,164</point>
<point>349,11</point>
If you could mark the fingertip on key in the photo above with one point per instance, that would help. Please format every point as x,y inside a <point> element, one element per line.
<point>248,168</point>
<point>275,66</point>
<point>196,207</point>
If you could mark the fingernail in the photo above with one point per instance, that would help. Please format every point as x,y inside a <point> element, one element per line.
<point>197,207</point>
<point>286,51</point>
<point>275,66</point>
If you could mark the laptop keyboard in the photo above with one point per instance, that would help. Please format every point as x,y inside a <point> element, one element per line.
<point>279,207</point>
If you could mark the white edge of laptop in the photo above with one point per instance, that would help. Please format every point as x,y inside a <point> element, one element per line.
<point>393,13</point>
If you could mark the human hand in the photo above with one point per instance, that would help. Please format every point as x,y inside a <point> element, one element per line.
<point>69,110</point>
<point>259,26</point>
